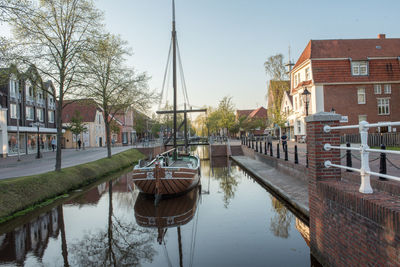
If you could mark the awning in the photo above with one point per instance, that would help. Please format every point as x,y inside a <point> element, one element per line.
<point>32,129</point>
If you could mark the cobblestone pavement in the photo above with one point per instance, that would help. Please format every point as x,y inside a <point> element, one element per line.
<point>29,165</point>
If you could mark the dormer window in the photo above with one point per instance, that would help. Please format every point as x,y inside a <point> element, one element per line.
<point>308,76</point>
<point>359,68</point>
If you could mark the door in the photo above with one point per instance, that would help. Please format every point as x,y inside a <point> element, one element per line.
<point>100,141</point>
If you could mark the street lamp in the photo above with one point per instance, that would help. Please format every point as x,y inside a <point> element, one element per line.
<point>306,98</point>
<point>38,124</point>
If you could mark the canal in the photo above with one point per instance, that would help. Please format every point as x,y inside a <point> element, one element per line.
<point>230,221</point>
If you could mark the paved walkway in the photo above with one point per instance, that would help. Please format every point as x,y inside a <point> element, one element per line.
<point>29,165</point>
<point>294,191</point>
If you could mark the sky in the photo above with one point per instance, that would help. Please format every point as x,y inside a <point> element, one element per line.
<point>224,43</point>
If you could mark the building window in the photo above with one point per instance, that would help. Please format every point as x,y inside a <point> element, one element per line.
<point>295,80</point>
<point>298,126</point>
<point>13,111</point>
<point>298,77</point>
<point>361,96</point>
<point>388,89</point>
<point>29,113</point>
<point>39,114</point>
<point>359,68</point>
<point>51,116</point>
<point>377,89</point>
<point>362,118</point>
<point>308,76</point>
<point>383,106</point>
<point>13,87</point>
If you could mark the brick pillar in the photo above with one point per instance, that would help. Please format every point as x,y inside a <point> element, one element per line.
<point>316,139</point>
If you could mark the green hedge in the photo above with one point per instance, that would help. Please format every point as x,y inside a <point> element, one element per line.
<point>21,193</point>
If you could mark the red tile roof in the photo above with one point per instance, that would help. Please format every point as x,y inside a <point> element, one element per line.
<point>356,49</point>
<point>86,108</point>
<point>261,112</point>
<point>331,71</point>
<point>243,112</point>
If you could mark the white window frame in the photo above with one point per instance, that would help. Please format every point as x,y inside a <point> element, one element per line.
<point>377,89</point>
<point>361,92</point>
<point>387,89</point>
<point>40,114</point>
<point>299,126</point>
<point>13,87</point>
<point>295,80</point>
<point>51,116</point>
<point>30,113</point>
<point>13,111</point>
<point>383,106</point>
<point>356,67</point>
<point>308,74</point>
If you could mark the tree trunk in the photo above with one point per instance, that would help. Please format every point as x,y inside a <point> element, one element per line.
<point>59,134</point>
<point>108,135</point>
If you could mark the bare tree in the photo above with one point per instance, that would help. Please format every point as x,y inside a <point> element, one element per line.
<point>110,83</point>
<point>275,68</point>
<point>52,34</point>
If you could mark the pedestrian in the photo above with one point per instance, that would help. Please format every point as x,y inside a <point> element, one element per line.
<point>269,140</point>
<point>53,143</point>
<point>79,144</point>
<point>284,141</point>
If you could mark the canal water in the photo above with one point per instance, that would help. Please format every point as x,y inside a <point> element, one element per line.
<point>230,221</point>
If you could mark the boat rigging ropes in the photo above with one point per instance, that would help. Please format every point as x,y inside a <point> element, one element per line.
<point>164,88</point>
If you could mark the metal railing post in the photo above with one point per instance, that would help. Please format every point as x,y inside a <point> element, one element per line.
<point>348,157</point>
<point>277,151</point>
<point>270,150</point>
<point>256,146</point>
<point>286,152</point>
<point>365,176</point>
<point>265,148</point>
<point>296,157</point>
<point>382,163</point>
<point>252,143</point>
<point>260,147</point>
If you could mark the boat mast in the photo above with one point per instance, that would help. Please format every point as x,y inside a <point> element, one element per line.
<point>174,71</point>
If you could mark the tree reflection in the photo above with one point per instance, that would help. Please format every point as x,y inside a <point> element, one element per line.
<point>228,182</point>
<point>280,222</point>
<point>121,244</point>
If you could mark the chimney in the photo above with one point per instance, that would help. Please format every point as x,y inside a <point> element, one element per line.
<point>381,36</point>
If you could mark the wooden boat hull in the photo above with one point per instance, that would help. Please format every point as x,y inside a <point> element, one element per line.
<point>171,180</point>
<point>169,213</point>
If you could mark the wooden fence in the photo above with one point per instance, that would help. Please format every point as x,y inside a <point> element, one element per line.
<point>374,139</point>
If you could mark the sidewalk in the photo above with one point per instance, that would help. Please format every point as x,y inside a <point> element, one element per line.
<point>29,165</point>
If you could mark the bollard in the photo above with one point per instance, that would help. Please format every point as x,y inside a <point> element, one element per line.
<point>265,148</point>
<point>307,159</point>
<point>286,153</point>
<point>277,151</point>
<point>252,143</point>
<point>256,146</point>
<point>260,147</point>
<point>296,157</point>
<point>382,164</point>
<point>348,157</point>
<point>270,150</point>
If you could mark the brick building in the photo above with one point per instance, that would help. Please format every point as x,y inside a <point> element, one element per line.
<point>22,103</point>
<point>252,115</point>
<point>357,78</point>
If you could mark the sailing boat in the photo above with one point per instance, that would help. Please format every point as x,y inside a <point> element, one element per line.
<point>169,173</point>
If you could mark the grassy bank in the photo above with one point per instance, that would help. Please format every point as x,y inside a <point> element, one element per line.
<point>24,193</point>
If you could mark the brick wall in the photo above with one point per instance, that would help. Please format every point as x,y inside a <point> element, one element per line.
<point>218,150</point>
<point>347,228</point>
<point>343,98</point>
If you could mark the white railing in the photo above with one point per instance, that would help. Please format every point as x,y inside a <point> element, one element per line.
<point>364,149</point>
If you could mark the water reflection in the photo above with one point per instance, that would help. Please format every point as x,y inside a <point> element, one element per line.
<point>281,220</point>
<point>111,224</point>
<point>121,244</point>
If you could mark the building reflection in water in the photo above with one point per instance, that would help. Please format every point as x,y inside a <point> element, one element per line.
<point>281,220</point>
<point>31,237</point>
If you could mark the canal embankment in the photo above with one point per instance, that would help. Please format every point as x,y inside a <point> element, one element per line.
<point>286,180</point>
<point>23,194</point>
<point>291,189</point>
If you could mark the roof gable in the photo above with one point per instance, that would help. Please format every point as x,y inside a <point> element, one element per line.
<point>86,107</point>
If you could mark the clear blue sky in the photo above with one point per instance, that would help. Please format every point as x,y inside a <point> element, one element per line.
<point>224,43</point>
